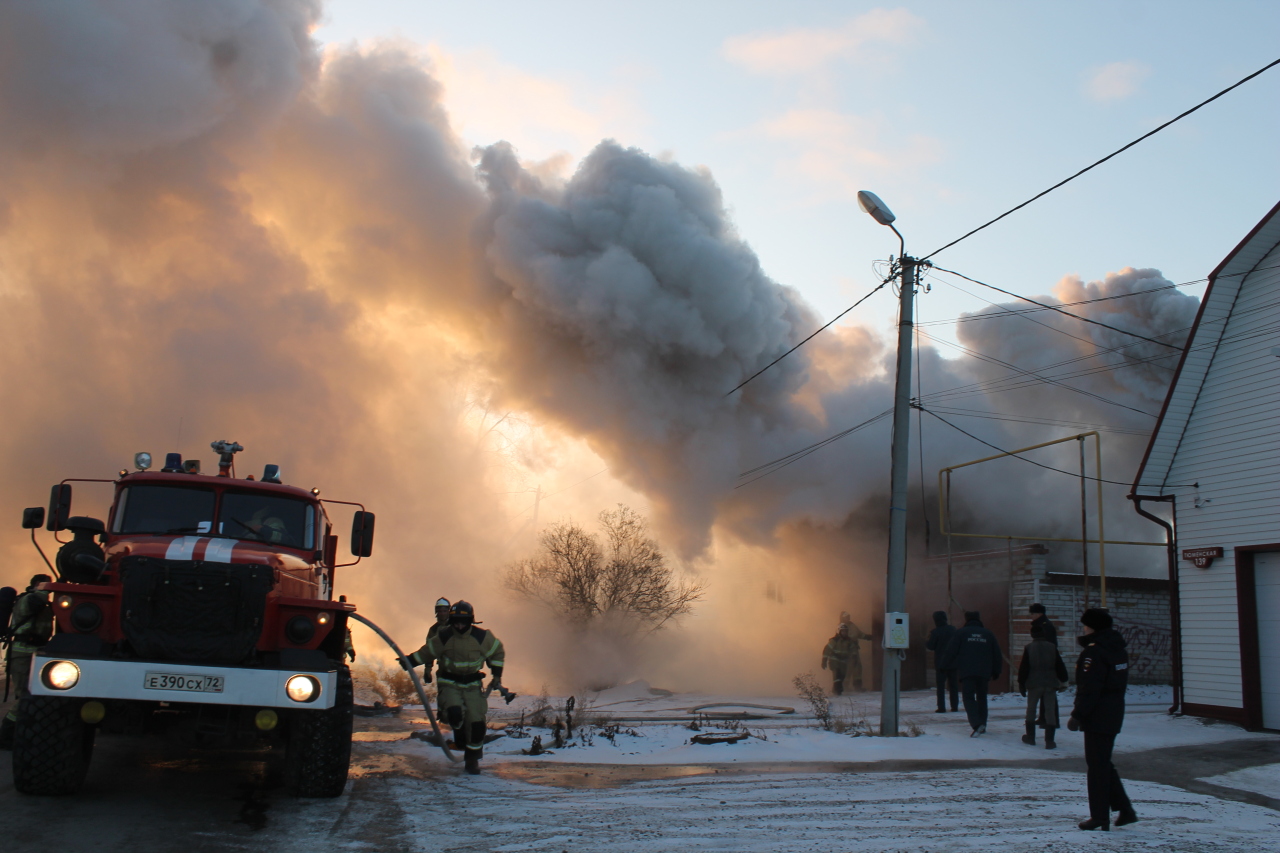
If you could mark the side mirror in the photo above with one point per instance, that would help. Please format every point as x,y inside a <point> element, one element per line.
<point>33,518</point>
<point>59,507</point>
<point>362,534</point>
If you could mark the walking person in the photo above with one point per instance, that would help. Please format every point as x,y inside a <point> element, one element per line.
<point>1038,617</point>
<point>1102,675</point>
<point>939,639</point>
<point>974,653</point>
<point>1040,675</point>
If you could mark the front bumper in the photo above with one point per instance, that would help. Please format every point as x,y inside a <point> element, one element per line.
<point>120,679</point>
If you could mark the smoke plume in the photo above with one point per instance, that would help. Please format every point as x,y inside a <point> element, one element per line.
<point>212,228</point>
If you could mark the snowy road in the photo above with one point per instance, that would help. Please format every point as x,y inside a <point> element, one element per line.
<point>1019,810</point>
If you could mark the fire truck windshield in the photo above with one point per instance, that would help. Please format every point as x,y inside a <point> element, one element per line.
<point>267,518</point>
<point>164,509</point>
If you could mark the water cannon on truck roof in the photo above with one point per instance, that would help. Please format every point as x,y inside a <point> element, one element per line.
<point>201,601</point>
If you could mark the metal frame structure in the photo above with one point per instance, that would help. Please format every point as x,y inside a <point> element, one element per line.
<point>944,512</point>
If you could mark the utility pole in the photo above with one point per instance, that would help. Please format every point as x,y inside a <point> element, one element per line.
<point>895,593</point>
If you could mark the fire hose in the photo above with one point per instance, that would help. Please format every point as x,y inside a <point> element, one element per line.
<point>417,684</point>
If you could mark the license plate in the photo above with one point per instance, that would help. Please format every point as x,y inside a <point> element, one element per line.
<point>178,681</point>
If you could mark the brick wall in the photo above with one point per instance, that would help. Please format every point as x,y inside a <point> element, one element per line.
<point>1140,606</point>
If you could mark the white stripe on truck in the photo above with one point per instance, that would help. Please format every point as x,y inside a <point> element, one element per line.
<point>182,548</point>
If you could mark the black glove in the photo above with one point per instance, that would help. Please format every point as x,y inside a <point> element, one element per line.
<point>405,664</point>
<point>426,675</point>
<point>351,653</point>
<point>1023,693</point>
<point>1073,724</point>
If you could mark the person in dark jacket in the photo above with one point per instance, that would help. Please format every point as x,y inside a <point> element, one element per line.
<point>1102,674</point>
<point>1040,675</point>
<point>939,639</point>
<point>974,653</point>
<point>1047,627</point>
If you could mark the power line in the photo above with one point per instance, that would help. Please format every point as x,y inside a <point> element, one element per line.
<point>990,387</point>
<point>1104,159</point>
<point>806,340</point>
<point>783,461</point>
<point>1017,456</point>
<point>1029,419</point>
<point>1022,314</point>
<point>1036,376</point>
<point>1022,311</point>
<point>1059,310</point>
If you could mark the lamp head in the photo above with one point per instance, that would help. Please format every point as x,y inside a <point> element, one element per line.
<point>871,203</point>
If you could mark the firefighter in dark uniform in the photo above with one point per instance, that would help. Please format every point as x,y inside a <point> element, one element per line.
<point>32,623</point>
<point>1102,675</point>
<point>461,650</point>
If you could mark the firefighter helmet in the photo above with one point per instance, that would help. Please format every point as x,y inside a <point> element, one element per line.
<point>442,604</point>
<point>462,612</point>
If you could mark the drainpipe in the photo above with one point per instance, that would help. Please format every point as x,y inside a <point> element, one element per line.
<point>1175,602</point>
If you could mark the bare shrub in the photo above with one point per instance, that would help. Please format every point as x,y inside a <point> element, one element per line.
<point>624,582</point>
<point>392,685</point>
<point>540,714</point>
<point>813,693</point>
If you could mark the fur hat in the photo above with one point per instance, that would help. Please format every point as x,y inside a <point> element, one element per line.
<point>1097,619</point>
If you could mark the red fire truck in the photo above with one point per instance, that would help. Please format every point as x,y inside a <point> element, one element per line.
<point>201,601</point>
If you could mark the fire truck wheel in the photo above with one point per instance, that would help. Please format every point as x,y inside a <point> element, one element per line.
<point>318,750</point>
<point>52,746</point>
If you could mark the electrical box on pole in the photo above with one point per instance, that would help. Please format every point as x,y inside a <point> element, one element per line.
<point>897,631</point>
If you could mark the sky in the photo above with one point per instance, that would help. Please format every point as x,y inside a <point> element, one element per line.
<point>952,113</point>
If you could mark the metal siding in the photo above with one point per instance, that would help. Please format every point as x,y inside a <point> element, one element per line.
<point>1230,445</point>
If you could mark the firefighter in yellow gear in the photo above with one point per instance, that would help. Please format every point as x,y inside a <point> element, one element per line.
<point>461,649</point>
<point>32,622</point>
<point>842,656</point>
<point>442,617</point>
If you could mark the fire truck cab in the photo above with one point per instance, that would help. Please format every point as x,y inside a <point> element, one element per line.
<point>201,600</point>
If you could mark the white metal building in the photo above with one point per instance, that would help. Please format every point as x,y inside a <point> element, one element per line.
<point>1214,458</point>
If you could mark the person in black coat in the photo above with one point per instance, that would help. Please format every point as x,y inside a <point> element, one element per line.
<point>939,639</point>
<point>974,653</point>
<point>1047,628</point>
<point>1102,675</point>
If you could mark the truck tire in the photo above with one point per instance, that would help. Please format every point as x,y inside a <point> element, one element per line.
<point>51,747</point>
<point>318,750</point>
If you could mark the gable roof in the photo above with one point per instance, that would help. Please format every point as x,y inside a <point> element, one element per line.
<point>1206,334</point>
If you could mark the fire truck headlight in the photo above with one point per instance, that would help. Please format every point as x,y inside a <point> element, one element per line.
<point>86,617</point>
<point>302,688</point>
<point>142,461</point>
<point>299,630</point>
<point>60,675</point>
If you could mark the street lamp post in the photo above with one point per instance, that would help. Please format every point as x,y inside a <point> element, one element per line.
<point>896,576</point>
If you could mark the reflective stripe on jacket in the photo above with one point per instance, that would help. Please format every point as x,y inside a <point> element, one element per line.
<point>462,654</point>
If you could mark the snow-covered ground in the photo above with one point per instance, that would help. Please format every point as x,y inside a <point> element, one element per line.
<point>792,786</point>
<point>654,729</point>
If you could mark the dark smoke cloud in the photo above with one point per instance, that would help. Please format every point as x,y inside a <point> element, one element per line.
<point>205,221</point>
